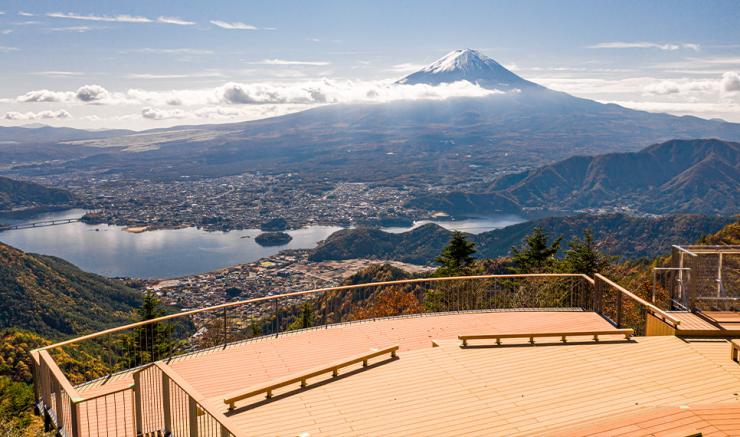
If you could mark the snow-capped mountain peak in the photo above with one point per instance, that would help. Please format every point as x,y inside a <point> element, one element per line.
<point>470,65</point>
<point>462,59</point>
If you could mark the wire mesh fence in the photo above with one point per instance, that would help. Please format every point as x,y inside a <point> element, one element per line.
<point>704,278</point>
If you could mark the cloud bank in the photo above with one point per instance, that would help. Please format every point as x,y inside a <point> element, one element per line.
<point>234,93</point>
<point>43,115</point>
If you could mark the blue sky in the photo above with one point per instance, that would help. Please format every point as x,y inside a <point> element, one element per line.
<point>148,64</point>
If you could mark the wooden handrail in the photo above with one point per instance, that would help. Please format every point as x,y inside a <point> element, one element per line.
<point>196,396</point>
<point>57,373</point>
<point>307,292</point>
<point>652,308</point>
<point>232,398</point>
<point>107,393</point>
<point>532,335</point>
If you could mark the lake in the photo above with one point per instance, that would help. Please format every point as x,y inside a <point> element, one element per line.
<point>167,253</point>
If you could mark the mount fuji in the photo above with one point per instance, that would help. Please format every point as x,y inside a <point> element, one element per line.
<point>409,142</point>
<point>470,65</point>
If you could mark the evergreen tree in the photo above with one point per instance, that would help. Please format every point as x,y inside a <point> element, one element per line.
<point>305,318</point>
<point>152,341</point>
<point>456,258</point>
<point>537,255</point>
<point>584,256</point>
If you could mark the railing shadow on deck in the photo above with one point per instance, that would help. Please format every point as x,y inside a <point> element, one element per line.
<point>143,346</point>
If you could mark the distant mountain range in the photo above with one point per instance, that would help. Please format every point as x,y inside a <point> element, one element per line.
<point>52,297</point>
<point>692,176</point>
<point>42,134</point>
<point>21,194</point>
<point>619,235</point>
<point>400,142</point>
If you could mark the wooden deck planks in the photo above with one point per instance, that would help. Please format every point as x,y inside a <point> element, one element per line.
<point>221,371</point>
<point>546,389</point>
<point>435,391</point>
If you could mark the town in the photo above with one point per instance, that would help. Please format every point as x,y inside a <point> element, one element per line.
<point>285,272</point>
<point>236,202</point>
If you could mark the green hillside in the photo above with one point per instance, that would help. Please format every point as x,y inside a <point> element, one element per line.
<point>621,235</point>
<point>53,298</point>
<point>21,194</point>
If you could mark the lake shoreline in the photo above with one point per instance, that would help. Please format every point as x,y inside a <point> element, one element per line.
<point>149,252</point>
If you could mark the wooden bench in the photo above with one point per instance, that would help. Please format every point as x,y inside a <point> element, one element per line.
<point>735,351</point>
<point>232,398</point>
<point>563,335</point>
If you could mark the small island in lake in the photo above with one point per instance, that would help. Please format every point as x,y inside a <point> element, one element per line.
<point>273,239</point>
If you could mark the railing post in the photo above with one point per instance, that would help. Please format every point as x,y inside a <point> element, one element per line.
<point>277,322</point>
<point>166,404</point>
<point>74,412</point>
<point>137,403</point>
<point>619,309</point>
<point>225,323</point>
<point>192,416</point>
<point>59,408</point>
<point>36,382</point>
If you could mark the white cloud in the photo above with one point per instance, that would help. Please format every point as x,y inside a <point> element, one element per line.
<point>86,94</point>
<point>92,93</point>
<point>663,87</point>
<point>684,86</point>
<point>105,18</point>
<point>333,91</point>
<point>238,94</point>
<point>405,68</point>
<point>57,73</point>
<point>78,29</point>
<point>175,20</point>
<point>25,14</point>
<point>235,25</point>
<point>162,114</point>
<point>644,45</point>
<point>6,49</point>
<point>6,31</point>
<point>43,115</point>
<point>730,82</point>
<point>45,96</point>
<point>286,62</point>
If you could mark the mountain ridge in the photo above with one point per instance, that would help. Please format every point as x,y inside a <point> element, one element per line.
<point>619,235</point>
<point>689,176</point>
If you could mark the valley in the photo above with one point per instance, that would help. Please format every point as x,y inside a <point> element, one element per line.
<point>341,218</point>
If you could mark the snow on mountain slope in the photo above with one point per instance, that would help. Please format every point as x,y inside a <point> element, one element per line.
<point>470,65</point>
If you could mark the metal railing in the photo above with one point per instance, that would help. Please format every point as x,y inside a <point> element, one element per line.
<point>624,309</point>
<point>703,277</point>
<point>139,352</point>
